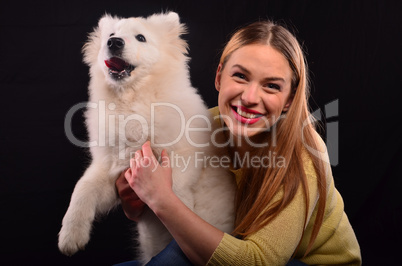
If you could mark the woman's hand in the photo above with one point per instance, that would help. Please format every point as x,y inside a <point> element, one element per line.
<point>151,180</point>
<point>131,203</point>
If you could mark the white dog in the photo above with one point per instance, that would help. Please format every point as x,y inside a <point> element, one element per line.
<point>139,91</point>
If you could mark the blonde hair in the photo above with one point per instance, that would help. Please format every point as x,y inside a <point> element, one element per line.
<point>259,185</point>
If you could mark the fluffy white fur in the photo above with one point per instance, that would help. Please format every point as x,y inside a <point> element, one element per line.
<point>124,120</point>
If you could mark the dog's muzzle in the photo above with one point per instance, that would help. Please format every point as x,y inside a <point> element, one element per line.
<point>115,45</point>
<point>118,68</point>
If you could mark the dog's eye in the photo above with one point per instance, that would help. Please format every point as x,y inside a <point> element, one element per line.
<point>112,34</point>
<point>140,38</point>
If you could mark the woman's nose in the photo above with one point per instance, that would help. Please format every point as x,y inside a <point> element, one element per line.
<point>250,95</point>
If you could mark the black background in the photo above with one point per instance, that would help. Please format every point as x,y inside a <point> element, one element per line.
<point>354,54</point>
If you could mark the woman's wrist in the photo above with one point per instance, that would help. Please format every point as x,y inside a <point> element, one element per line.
<point>165,204</point>
<point>197,238</point>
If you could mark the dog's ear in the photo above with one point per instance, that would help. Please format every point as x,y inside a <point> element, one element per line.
<point>168,25</point>
<point>173,19</point>
<point>170,19</point>
<point>106,22</point>
<point>168,22</point>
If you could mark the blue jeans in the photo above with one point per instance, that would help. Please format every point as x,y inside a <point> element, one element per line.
<point>174,256</point>
<point>171,255</point>
<point>295,263</point>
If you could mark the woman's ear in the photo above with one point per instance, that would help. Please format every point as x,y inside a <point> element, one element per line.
<point>218,78</point>
<point>288,103</point>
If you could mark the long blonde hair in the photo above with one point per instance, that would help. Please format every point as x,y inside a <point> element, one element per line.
<point>258,186</point>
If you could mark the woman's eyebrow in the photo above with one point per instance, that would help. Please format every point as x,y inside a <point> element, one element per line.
<point>246,71</point>
<point>274,79</point>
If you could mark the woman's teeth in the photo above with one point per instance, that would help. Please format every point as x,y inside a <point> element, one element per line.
<point>246,115</point>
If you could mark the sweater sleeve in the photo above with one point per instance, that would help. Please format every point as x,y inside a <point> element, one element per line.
<point>274,244</point>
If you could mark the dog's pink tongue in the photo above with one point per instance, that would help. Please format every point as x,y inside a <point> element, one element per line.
<point>116,63</point>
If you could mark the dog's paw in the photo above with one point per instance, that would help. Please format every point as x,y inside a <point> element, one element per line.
<point>73,239</point>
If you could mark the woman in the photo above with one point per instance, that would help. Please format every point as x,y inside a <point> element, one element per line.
<point>287,210</point>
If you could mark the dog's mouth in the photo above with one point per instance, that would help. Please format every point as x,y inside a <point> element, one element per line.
<point>118,68</point>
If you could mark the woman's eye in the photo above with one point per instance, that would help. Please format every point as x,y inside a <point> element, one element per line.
<point>273,86</point>
<point>140,38</point>
<point>239,75</point>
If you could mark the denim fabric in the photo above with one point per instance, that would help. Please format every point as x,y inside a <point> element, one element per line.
<point>172,255</point>
<point>295,263</point>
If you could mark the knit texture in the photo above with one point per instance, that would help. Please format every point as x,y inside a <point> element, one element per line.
<point>274,244</point>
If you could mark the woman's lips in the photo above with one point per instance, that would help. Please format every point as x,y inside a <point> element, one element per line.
<point>246,110</point>
<point>245,115</point>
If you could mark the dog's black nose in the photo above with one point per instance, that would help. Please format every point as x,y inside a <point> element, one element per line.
<point>115,44</point>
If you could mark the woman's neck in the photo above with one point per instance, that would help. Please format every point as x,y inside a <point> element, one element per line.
<point>242,146</point>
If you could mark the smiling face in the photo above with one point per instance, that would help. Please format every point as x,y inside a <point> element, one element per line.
<point>254,89</point>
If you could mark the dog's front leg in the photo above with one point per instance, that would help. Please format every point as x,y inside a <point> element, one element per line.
<point>93,195</point>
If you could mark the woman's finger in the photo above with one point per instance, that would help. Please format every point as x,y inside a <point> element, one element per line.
<point>165,162</point>
<point>148,156</point>
<point>128,173</point>
<point>137,159</point>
